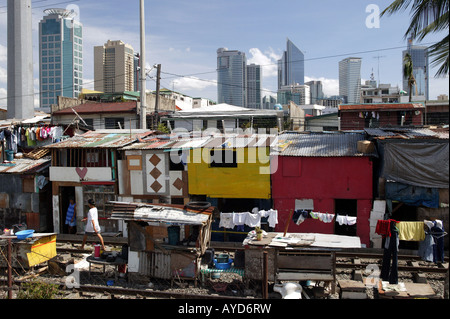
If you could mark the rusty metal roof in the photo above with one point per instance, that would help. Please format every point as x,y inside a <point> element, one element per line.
<point>102,139</point>
<point>160,213</point>
<point>319,144</point>
<point>407,133</point>
<point>209,141</point>
<point>24,165</point>
<point>381,106</point>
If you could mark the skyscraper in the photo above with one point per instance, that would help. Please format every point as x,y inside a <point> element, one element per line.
<point>419,56</point>
<point>350,80</point>
<point>114,67</point>
<point>316,91</point>
<point>20,97</point>
<point>291,67</point>
<point>231,77</point>
<point>254,86</point>
<point>60,56</point>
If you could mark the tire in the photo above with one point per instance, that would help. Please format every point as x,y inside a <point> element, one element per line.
<point>198,205</point>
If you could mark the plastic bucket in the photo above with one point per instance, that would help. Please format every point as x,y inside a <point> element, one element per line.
<point>9,155</point>
<point>174,234</point>
<point>222,258</point>
<point>97,251</point>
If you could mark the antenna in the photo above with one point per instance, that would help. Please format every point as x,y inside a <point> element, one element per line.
<point>378,57</point>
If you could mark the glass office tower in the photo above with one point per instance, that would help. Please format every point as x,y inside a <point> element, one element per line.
<point>231,77</point>
<point>419,56</point>
<point>254,86</point>
<point>60,56</point>
<point>291,67</point>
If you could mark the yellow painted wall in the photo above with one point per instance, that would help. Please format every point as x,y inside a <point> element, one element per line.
<point>42,250</point>
<point>250,179</point>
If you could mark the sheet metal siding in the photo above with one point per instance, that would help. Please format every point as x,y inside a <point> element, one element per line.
<point>155,264</point>
<point>321,145</point>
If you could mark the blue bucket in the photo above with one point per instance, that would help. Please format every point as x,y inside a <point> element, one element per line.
<point>173,234</point>
<point>9,155</point>
<point>24,234</point>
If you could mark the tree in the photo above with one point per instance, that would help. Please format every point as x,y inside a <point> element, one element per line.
<point>408,73</point>
<point>427,16</point>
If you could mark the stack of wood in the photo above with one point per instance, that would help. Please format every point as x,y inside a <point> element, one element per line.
<point>37,153</point>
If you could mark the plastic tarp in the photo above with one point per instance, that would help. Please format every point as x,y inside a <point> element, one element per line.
<point>422,164</point>
<point>413,195</point>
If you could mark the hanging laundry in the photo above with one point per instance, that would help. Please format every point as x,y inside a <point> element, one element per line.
<point>253,220</point>
<point>226,220</point>
<point>383,227</point>
<point>438,233</point>
<point>314,215</point>
<point>345,220</point>
<point>411,231</point>
<point>326,218</point>
<point>239,218</point>
<point>273,218</point>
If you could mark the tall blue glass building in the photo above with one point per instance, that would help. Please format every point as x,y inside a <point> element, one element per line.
<point>60,56</point>
<point>291,67</point>
<point>231,77</point>
<point>419,56</point>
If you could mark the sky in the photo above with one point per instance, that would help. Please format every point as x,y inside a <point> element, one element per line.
<point>183,36</point>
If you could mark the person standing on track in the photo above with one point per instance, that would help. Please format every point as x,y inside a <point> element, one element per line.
<point>92,226</point>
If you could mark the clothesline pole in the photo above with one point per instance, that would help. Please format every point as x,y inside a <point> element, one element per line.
<point>288,221</point>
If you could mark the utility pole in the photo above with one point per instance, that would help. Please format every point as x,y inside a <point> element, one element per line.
<point>143,74</point>
<point>158,77</point>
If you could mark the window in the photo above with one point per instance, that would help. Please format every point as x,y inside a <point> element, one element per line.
<point>223,158</point>
<point>113,122</point>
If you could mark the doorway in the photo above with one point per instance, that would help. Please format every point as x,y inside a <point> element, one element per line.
<point>345,207</point>
<point>65,194</point>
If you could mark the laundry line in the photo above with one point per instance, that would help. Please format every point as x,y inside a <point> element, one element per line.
<point>251,219</point>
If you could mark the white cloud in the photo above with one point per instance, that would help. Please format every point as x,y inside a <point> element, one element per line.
<point>3,53</point>
<point>3,75</point>
<point>267,60</point>
<point>438,86</point>
<point>192,83</point>
<point>329,86</point>
<point>3,96</point>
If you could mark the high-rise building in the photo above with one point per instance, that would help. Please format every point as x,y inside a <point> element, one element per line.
<point>60,55</point>
<point>350,80</point>
<point>291,67</point>
<point>254,86</point>
<point>269,102</point>
<point>419,56</point>
<point>114,67</point>
<point>316,91</point>
<point>299,94</point>
<point>20,96</point>
<point>231,77</point>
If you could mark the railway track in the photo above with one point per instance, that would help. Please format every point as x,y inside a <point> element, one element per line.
<point>407,263</point>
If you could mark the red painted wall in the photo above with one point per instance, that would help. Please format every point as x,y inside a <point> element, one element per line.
<point>322,179</point>
<point>351,120</point>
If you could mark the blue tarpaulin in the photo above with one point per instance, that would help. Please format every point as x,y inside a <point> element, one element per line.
<point>412,195</point>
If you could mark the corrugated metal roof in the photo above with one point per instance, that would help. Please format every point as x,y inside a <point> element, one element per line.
<point>24,165</point>
<point>407,133</point>
<point>168,214</point>
<point>380,106</point>
<point>242,141</point>
<point>91,108</point>
<point>106,139</point>
<point>320,145</point>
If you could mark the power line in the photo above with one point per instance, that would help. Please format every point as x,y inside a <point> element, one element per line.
<point>192,76</point>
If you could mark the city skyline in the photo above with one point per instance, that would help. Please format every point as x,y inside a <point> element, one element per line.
<point>185,38</point>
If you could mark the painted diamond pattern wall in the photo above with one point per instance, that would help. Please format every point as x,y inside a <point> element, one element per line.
<point>155,168</point>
